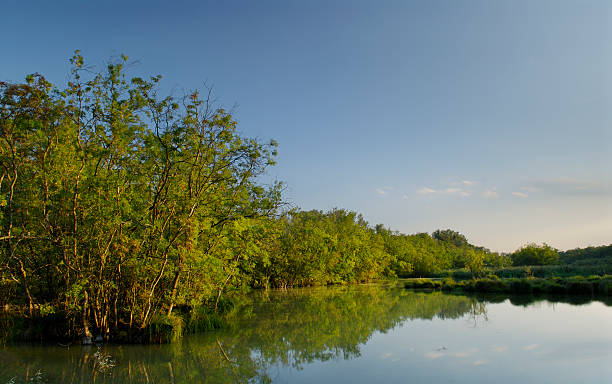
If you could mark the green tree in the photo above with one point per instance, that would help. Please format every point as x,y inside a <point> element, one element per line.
<point>533,254</point>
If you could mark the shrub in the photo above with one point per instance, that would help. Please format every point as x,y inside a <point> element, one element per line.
<point>164,329</point>
<point>489,285</point>
<point>204,318</point>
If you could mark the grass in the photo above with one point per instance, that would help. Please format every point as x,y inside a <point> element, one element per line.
<point>583,267</point>
<point>576,285</point>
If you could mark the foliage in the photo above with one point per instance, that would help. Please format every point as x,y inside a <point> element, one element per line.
<point>588,255</point>
<point>600,285</point>
<point>118,204</point>
<point>533,254</point>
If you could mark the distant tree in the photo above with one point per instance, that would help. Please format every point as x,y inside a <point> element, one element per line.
<point>533,254</point>
<point>474,261</point>
<point>450,236</point>
<point>497,260</point>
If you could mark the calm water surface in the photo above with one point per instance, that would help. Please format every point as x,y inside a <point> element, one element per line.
<point>361,334</point>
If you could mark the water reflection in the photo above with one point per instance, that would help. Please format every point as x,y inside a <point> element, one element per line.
<point>272,331</point>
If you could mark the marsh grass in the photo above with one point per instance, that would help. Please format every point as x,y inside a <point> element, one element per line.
<point>576,285</point>
<point>164,329</point>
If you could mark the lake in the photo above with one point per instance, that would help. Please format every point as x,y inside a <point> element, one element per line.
<point>378,333</point>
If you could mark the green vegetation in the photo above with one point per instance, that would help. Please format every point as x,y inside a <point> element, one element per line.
<point>119,205</point>
<point>533,254</point>
<point>422,255</point>
<point>593,285</point>
<point>137,217</point>
<point>576,262</point>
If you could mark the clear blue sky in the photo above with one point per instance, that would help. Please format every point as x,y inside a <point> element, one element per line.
<point>488,117</point>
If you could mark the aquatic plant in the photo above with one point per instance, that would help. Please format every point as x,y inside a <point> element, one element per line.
<point>103,362</point>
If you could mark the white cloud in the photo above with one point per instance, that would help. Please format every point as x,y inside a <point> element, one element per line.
<point>500,348</point>
<point>479,362</point>
<point>426,191</point>
<point>467,182</point>
<point>522,195</point>
<point>446,191</point>
<point>531,347</point>
<point>490,194</point>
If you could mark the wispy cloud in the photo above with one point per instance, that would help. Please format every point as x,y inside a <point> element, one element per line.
<point>479,362</point>
<point>451,191</point>
<point>568,186</point>
<point>468,182</point>
<point>522,195</point>
<point>490,193</point>
<point>446,191</point>
<point>426,191</point>
<point>531,347</point>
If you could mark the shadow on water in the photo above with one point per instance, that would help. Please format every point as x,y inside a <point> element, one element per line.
<point>287,328</point>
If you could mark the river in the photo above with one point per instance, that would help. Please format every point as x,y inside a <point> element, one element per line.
<point>378,333</point>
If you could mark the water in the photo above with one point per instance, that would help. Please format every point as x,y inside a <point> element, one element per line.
<point>360,334</point>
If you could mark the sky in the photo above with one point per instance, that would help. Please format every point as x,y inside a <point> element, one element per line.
<point>492,118</point>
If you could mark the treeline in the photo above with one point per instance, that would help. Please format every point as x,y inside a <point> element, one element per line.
<point>588,256</point>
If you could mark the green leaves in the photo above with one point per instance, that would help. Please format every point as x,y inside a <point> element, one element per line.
<point>140,202</point>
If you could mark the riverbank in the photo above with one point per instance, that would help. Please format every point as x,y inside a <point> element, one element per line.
<point>56,327</point>
<point>593,285</point>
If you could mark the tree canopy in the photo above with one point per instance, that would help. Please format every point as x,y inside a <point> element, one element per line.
<point>533,254</point>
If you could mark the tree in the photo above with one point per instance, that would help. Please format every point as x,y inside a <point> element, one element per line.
<point>118,204</point>
<point>533,254</point>
<point>451,237</point>
<point>474,262</point>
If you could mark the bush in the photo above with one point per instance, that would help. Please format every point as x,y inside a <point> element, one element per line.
<point>423,284</point>
<point>491,285</point>
<point>204,318</point>
<point>577,285</point>
<point>164,329</point>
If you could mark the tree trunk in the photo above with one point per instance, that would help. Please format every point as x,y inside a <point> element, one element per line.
<point>86,332</point>
<point>174,289</point>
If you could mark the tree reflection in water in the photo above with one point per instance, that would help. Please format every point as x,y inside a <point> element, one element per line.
<point>270,329</point>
